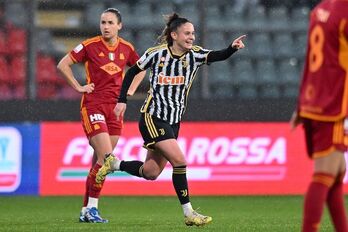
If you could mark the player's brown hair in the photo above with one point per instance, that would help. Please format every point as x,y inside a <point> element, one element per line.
<point>116,12</point>
<point>173,22</point>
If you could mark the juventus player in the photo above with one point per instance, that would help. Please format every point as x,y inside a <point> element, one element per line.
<point>173,64</point>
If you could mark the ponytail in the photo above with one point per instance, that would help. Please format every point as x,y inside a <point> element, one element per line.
<point>173,22</point>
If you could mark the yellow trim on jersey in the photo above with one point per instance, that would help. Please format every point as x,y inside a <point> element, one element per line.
<point>196,48</point>
<point>189,88</point>
<point>152,49</point>
<point>86,120</point>
<point>148,100</point>
<point>91,40</point>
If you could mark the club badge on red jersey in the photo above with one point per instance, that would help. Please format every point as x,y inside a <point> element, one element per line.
<point>111,56</point>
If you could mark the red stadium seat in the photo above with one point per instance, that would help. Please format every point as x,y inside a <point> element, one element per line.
<point>67,92</point>
<point>6,92</point>
<point>19,91</point>
<point>18,69</point>
<point>46,90</point>
<point>17,41</point>
<point>3,43</point>
<point>4,70</point>
<point>46,70</point>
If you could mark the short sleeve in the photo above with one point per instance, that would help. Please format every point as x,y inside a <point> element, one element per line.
<point>200,54</point>
<point>78,54</point>
<point>146,60</point>
<point>133,58</point>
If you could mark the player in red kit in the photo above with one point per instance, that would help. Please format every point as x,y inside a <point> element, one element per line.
<point>323,108</point>
<point>105,58</point>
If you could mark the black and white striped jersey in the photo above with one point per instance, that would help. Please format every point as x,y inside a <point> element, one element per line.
<point>171,78</point>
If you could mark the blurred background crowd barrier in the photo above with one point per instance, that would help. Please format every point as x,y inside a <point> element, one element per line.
<point>36,34</point>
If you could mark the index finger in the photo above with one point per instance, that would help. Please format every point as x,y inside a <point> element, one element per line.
<point>241,37</point>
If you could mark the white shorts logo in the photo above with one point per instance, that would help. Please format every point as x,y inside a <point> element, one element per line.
<point>96,117</point>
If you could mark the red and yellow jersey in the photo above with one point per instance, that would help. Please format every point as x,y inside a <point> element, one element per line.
<point>104,67</point>
<point>324,87</point>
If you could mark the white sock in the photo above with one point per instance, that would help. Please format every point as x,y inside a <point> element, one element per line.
<point>117,165</point>
<point>92,202</point>
<point>187,208</point>
<point>83,210</point>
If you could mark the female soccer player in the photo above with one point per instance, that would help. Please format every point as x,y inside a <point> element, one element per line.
<point>174,64</point>
<point>105,58</point>
<point>323,110</point>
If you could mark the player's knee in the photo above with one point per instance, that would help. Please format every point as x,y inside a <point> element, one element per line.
<point>151,174</point>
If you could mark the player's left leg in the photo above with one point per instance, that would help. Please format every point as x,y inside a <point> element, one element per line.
<point>172,152</point>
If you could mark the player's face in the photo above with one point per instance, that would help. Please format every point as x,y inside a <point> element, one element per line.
<point>109,25</point>
<point>184,36</point>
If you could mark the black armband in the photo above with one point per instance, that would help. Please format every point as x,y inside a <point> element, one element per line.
<point>127,81</point>
<point>219,55</point>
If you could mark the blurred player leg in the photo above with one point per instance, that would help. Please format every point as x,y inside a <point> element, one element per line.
<point>335,201</point>
<point>326,169</point>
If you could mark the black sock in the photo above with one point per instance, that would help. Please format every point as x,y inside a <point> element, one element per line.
<point>134,167</point>
<point>180,184</point>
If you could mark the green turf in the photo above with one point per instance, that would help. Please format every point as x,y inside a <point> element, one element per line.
<point>152,214</point>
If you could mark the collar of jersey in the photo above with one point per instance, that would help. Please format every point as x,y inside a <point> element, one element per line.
<point>110,48</point>
<point>175,56</point>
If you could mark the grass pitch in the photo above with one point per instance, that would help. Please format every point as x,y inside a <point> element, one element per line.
<point>152,214</point>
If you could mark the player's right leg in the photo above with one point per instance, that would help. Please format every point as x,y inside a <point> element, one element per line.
<point>102,145</point>
<point>82,217</point>
<point>149,170</point>
<point>96,126</point>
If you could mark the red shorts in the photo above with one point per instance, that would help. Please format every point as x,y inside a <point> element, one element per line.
<point>100,118</point>
<point>322,138</point>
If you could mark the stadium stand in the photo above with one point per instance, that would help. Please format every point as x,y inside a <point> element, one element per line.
<point>271,61</point>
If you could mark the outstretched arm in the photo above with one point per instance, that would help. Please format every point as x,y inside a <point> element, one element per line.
<point>223,54</point>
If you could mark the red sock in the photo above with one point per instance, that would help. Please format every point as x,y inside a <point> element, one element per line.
<point>315,201</point>
<point>335,202</point>
<point>94,188</point>
<point>85,198</point>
